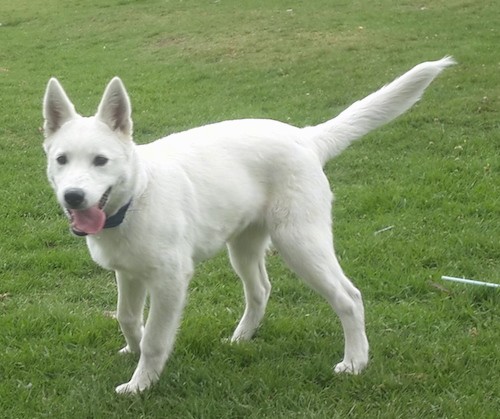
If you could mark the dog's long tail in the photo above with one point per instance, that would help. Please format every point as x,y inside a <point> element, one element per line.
<point>332,137</point>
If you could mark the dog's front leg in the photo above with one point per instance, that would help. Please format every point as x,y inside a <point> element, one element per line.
<point>167,298</point>
<point>130,310</point>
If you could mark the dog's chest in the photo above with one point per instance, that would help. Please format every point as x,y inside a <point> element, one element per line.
<point>118,253</point>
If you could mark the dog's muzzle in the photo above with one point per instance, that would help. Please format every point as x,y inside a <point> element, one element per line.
<point>89,220</point>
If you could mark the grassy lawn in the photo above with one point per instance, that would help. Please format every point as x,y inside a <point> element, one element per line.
<point>433,176</point>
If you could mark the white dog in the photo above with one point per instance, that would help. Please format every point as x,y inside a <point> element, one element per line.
<point>151,212</point>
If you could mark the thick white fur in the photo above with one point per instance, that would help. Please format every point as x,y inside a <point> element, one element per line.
<point>238,183</point>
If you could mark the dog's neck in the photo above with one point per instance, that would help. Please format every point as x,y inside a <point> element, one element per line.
<point>116,219</point>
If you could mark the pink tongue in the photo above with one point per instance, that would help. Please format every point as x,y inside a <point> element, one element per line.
<point>90,221</point>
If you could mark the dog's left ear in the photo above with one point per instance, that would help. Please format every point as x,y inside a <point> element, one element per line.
<point>114,109</point>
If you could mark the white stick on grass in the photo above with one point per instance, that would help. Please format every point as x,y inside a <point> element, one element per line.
<point>384,229</point>
<point>470,281</point>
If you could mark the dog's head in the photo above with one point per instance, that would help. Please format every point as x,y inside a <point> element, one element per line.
<point>89,158</point>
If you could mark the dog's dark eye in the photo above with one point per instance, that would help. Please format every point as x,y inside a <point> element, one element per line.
<point>62,159</point>
<point>100,160</point>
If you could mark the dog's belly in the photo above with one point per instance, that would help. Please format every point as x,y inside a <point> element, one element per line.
<point>210,240</point>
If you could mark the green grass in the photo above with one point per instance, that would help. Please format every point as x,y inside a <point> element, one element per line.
<point>434,175</point>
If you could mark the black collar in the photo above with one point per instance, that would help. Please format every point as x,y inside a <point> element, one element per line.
<point>114,221</point>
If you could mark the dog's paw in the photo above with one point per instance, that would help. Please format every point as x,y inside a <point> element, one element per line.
<point>242,334</point>
<point>349,367</point>
<point>133,387</point>
<point>127,350</point>
<point>124,389</point>
<point>137,385</point>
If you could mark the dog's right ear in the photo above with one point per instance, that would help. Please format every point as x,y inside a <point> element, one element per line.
<point>57,108</point>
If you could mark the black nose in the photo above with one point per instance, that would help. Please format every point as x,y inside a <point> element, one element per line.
<point>74,197</point>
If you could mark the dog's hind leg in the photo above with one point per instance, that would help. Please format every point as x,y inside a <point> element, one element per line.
<point>247,255</point>
<point>300,228</point>
<point>130,310</point>
<point>309,252</point>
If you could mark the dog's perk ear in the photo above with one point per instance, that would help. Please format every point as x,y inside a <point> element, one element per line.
<point>57,108</point>
<point>114,109</point>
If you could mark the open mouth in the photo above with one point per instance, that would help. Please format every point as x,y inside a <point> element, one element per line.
<point>104,198</point>
<point>90,220</point>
